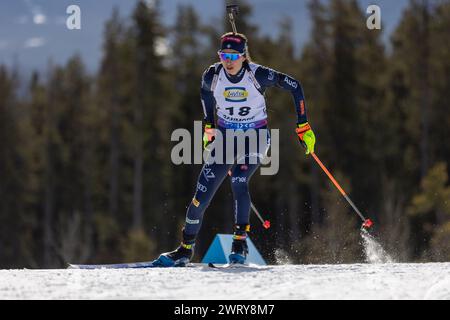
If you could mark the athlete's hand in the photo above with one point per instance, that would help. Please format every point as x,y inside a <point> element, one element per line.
<point>208,136</point>
<point>306,136</point>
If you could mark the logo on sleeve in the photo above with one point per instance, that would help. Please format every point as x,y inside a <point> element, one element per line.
<point>291,82</point>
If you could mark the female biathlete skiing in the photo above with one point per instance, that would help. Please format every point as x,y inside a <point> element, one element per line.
<point>234,89</point>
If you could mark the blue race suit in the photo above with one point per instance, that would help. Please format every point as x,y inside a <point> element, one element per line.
<point>240,105</point>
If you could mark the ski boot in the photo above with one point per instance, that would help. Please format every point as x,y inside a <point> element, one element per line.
<point>180,257</point>
<point>239,248</point>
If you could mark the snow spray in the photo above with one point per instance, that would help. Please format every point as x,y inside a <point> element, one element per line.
<point>282,257</point>
<point>373,250</point>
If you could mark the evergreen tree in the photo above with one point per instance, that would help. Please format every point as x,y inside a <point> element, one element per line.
<point>150,123</point>
<point>430,211</point>
<point>315,77</point>
<point>33,152</point>
<point>439,82</point>
<point>113,100</point>
<point>61,176</point>
<point>11,172</point>
<point>344,64</point>
<point>417,102</point>
<point>110,99</point>
<point>75,216</point>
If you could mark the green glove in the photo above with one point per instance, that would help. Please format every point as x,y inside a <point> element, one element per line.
<point>306,137</point>
<point>208,135</point>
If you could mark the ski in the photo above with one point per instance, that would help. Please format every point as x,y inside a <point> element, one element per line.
<point>237,266</point>
<point>228,265</point>
<point>152,264</point>
<point>133,265</point>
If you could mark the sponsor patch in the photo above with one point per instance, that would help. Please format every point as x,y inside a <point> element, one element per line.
<point>291,82</point>
<point>208,174</point>
<point>239,179</point>
<point>238,40</point>
<point>235,94</point>
<point>302,107</point>
<point>195,202</point>
<point>201,187</point>
<point>189,221</point>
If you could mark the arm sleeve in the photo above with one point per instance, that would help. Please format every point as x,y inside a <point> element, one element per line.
<point>270,78</point>
<point>207,96</point>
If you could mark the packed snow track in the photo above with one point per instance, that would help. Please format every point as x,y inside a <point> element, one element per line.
<point>281,282</point>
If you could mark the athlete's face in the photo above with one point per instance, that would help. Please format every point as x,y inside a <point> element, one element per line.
<point>232,66</point>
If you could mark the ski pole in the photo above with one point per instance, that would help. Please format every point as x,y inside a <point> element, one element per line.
<point>265,223</point>
<point>367,223</point>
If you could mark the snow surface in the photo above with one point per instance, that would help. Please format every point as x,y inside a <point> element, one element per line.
<point>281,282</point>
